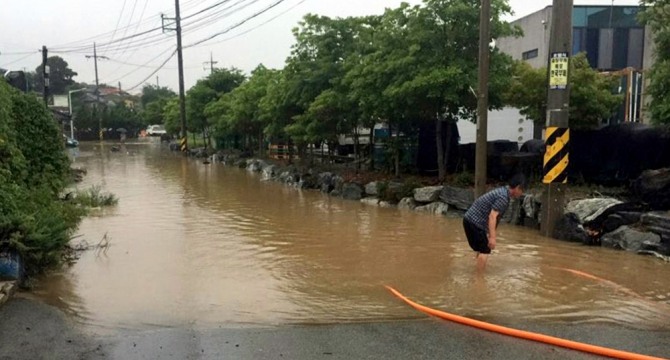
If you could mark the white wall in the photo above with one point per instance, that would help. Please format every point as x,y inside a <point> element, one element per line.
<point>504,124</point>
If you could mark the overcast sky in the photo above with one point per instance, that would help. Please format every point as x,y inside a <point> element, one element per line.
<point>69,27</point>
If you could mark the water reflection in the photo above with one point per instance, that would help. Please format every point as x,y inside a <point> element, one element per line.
<point>209,244</point>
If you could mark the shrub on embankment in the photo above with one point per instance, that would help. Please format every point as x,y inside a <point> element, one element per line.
<point>34,170</point>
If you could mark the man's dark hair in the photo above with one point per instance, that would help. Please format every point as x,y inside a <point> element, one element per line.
<point>517,180</point>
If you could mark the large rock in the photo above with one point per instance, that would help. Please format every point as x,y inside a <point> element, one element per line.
<point>614,216</point>
<point>289,176</point>
<point>391,191</point>
<point>588,209</point>
<point>653,187</point>
<point>407,203</point>
<point>269,172</point>
<point>255,165</point>
<point>325,182</point>
<point>617,220</point>
<point>370,201</point>
<point>427,194</point>
<point>513,213</point>
<point>371,188</point>
<point>308,181</point>
<point>437,208</point>
<point>570,228</point>
<point>459,198</point>
<point>627,238</point>
<point>659,223</point>
<point>529,211</point>
<point>352,191</point>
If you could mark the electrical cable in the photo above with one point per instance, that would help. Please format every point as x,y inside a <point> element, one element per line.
<point>236,25</point>
<point>259,25</point>
<point>154,72</point>
<point>19,59</point>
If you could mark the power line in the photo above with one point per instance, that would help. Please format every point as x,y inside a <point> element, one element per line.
<point>149,65</point>
<point>206,20</point>
<point>205,9</point>
<point>155,40</point>
<point>89,40</point>
<point>140,67</point>
<point>21,58</point>
<point>123,8</point>
<point>259,25</point>
<point>154,72</point>
<point>236,25</point>
<point>132,13</point>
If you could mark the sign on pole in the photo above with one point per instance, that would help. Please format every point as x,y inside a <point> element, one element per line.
<point>558,71</point>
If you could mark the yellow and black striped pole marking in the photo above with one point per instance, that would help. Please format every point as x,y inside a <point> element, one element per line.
<point>556,155</point>
<point>182,144</point>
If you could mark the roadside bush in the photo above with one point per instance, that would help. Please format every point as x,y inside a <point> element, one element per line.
<point>33,172</point>
<point>39,139</point>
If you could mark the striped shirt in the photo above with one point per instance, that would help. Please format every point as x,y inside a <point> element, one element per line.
<point>496,199</point>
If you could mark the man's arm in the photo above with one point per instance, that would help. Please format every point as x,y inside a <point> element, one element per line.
<point>493,222</point>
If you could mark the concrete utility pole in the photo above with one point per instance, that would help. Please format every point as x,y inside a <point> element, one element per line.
<point>97,88</point>
<point>482,98</point>
<point>183,142</point>
<point>45,75</point>
<point>211,63</point>
<point>182,98</point>
<point>557,134</point>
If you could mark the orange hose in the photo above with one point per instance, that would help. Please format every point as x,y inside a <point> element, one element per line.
<point>520,333</point>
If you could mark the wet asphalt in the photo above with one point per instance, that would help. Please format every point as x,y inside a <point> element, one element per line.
<point>30,329</point>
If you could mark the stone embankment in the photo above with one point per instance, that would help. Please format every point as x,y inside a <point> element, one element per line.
<point>640,223</point>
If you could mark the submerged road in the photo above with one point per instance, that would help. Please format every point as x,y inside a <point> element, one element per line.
<point>32,330</point>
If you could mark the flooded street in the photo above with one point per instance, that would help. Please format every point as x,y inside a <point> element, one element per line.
<point>205,245</point>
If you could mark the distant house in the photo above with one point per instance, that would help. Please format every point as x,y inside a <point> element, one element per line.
<point>109,96</point>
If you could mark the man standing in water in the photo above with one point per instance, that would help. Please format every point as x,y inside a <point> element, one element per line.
<point>481,219</point>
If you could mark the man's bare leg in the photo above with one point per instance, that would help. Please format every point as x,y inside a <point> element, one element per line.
<point>481,261</point>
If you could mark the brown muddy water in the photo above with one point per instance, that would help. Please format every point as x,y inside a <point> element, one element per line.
<point>205,245</point>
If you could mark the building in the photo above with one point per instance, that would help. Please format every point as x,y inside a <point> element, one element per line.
<point>612,38</point>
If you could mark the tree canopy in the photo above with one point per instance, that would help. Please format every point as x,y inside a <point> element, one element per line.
<point>592,94</point>
<point>656,15</point>
<point>61,77</point>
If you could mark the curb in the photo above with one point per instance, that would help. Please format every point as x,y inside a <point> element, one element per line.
<point>7,290</point>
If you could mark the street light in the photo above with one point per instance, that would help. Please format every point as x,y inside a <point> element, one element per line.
<point>69,103</point>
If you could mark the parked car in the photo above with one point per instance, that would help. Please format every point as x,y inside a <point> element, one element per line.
<point>156,130</point>
<point>69,142</point>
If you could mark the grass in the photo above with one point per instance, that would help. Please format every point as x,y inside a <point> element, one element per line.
<point>95,197</point>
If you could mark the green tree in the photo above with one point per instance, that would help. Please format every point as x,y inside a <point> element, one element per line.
<point>424,67</point>
<point>656,15</point>
<point>592,96</point>
<point>171,116</point>
<point>323,48</point>
<point>121,116</point>
<point>151,93</point>
<point>60,76</point>
<point>238,113</point>
<point>206,91</point>
<point>153,100</point>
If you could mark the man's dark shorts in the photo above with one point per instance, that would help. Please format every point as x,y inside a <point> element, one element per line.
<point>477,238</point>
